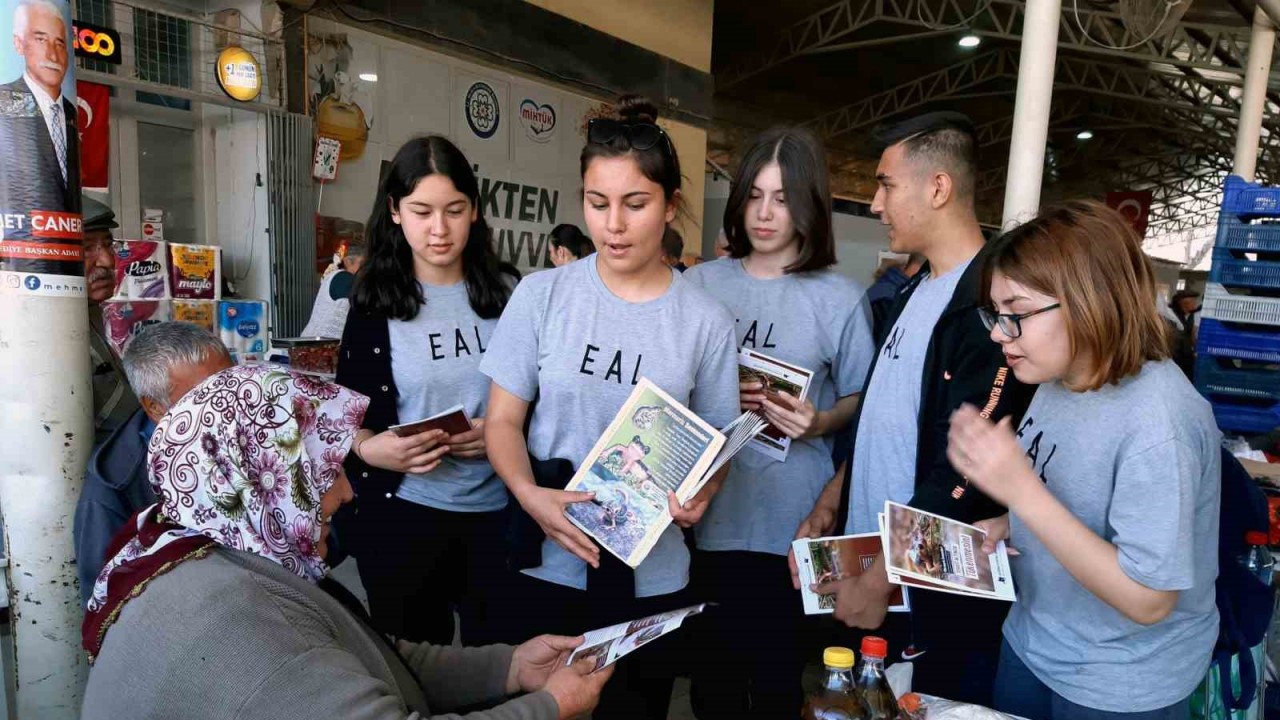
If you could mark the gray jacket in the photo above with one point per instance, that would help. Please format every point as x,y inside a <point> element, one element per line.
<point>236,636</point>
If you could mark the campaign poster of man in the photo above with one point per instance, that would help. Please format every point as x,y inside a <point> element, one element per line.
<point>40,222</point>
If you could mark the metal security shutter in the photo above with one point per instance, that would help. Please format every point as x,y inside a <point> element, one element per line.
<point>291,226</point>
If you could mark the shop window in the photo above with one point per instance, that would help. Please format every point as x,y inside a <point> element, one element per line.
<point>166,178</point>
<point>97,12</point>
<point>162,49</point>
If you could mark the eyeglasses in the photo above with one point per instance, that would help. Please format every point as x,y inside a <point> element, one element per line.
<point>1010,323</point>
<point>640,136</point>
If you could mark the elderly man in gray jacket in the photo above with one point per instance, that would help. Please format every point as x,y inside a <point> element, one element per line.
<point>162,364</point>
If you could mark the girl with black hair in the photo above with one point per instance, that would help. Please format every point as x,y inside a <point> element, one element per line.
<point>429,521</point>
<point>576,339</point>
<point>789,305</point>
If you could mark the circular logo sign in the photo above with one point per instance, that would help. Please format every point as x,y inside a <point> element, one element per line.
<point>482,110</point>
<point>239,74</point>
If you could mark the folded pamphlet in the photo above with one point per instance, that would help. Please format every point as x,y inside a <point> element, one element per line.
<point>453,421</point>
<point>936,553</point>
<point>654,445</point>
<point>777,377</point>
<point>829,559</point>
<point>606,645</point>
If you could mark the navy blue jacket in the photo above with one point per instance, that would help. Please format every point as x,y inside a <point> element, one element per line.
<point>115,487</point>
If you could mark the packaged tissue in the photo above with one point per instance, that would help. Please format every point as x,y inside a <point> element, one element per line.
<point>242,325</point>
<point>195,271</point>
<point>140,270</point>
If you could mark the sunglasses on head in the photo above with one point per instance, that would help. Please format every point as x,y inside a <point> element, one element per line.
<point>640,136</point>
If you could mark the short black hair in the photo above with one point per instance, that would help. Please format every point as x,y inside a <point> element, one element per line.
<point>945,139</point>
<point>804,180</point>
<point>572,239</point>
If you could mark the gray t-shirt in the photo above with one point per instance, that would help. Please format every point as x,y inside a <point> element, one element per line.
<point>818,321</point>
<point>884,455</point>
<point>435,361</point>
<point>569,341</point>
<point>1139,464</point>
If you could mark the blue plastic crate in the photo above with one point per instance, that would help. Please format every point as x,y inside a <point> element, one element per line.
<point>1241,416</point>
<point>1234,340</point>
<point>1249,200</point>
<point>1238,378</point>
<point>1235,268</point>
<point>1236,234</point>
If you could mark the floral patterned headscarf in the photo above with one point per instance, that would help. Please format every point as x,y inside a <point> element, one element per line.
<point>240,461</point>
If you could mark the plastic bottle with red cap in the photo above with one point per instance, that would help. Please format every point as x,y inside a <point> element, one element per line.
<point>872,686</point>
<point>1258,559</point>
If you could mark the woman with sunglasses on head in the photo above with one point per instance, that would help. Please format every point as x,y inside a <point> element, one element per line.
<point>430,520</point>
<point>1112,479</point>
<point>789,305</point>
<point>567,352</point>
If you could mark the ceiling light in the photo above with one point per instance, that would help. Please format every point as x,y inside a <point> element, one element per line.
<point>369,77</point>
<point>1084,135</point>
<point>970,41</point>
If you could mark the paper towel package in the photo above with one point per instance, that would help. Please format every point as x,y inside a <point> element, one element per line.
<point>195,271</point>
<point>140,270</point>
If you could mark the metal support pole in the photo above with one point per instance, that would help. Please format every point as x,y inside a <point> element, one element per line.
<point>1249,131</point>
<point>1031,111</point>
<point>45,398</point>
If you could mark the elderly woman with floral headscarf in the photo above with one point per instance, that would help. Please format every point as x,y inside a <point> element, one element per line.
<point>215,602</point>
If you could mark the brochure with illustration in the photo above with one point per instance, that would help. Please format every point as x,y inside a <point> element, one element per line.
<point>776,376</point>
<point>654,445</point>
<point>606,645</point>
<point>453,421</point>
<point>929,551</point>
<point>829,559</point>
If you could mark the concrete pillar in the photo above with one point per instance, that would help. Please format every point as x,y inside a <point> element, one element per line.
<point>1257,71</point>
<point>45,396</point>
<point>1031,111</point>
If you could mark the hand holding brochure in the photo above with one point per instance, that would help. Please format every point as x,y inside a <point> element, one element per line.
<point>453,421</point>
<point>654,445</point>
<point>830,559</point>
<point>929,551</point>
<point>776,376</point>
<point>606,645</point>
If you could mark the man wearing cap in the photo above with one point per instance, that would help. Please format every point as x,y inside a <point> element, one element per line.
<point>934,356</point>
<point>113,401</point>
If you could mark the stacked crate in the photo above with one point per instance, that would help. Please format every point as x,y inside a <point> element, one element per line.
<point>1238,348</point>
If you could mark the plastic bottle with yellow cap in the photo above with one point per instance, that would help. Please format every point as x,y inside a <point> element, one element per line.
<point>837,699</point>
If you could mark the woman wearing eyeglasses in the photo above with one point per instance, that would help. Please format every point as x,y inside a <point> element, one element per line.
<point>1111,480</point>
<point>567,352</point>
<point>789,305</point>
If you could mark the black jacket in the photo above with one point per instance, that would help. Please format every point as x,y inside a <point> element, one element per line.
<point>962,365</point>
<point>364,365</point>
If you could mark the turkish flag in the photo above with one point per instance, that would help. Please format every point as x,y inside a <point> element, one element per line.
<point>1134,206</point>
<point>93,112</point>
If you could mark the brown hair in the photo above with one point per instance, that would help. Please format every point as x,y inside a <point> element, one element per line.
<point>803,165</point>
<point>1089,257</point>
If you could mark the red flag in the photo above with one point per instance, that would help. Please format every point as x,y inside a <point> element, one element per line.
<point>1134,206</point>
<point>93,103</point>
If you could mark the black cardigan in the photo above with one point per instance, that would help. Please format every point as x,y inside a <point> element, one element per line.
<point>364,365</point>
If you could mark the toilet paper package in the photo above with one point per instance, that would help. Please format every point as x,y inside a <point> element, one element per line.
<point>122,320</point>
<point>242,325</point>
<point>140,270</point>
<point>195,271</point>
<point>199,312</point>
